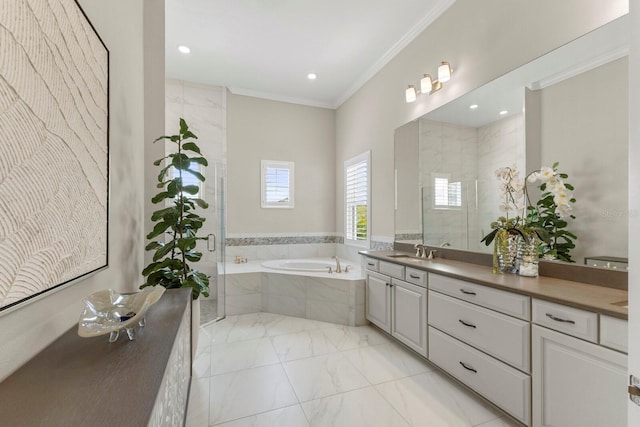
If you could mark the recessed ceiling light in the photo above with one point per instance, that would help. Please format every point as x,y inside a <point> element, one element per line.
<point>503,112</point>
<point>184,49</point>
<point>312,76</point>
<point>473,106</point>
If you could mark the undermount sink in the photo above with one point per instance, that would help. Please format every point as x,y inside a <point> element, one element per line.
<point>623,304</point>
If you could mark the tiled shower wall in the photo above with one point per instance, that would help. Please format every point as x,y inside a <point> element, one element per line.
<point>204,109</point>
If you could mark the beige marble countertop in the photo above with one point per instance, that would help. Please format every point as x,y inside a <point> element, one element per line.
<point>600,299</point>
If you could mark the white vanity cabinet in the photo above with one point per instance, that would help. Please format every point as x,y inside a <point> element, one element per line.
<point>396,306</point>
<point>482,336</point>
<point>576,382</point>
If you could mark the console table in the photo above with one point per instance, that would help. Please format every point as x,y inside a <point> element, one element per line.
<point>91,382</point>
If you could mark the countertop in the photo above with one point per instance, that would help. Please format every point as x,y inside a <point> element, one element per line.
<point>89,381</point>
<point>600,299</point>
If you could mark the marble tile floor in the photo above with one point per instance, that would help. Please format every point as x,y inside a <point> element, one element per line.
<point>269,370</point>
<point>208,310</point>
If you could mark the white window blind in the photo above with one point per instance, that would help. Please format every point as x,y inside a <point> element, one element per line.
<point>277,184</point>
<point>446,194</point>
<point>356,190</point>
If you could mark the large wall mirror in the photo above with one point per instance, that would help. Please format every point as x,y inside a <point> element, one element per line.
<point>569,106</point>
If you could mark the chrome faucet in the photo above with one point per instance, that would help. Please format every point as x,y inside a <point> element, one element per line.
<point>338,268</point>
<point>445,244</point>
<point>420,250</point>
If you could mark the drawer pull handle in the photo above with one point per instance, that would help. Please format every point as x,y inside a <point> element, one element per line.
<point>467,324</point>
<point>387,284</point>
<point>414,277</point>
<point>371,264</point>
<point>467,292</point>
<point>468,368</point>
<point>559,319</point>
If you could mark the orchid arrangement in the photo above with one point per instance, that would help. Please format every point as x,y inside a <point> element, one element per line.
<point>552,211</point>
<point>513,192</point>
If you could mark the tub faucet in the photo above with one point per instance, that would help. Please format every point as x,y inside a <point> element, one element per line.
<point>445,244</point>
<point>338,269</point>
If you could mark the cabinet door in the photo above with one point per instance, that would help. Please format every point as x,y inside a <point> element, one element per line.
<point>379,300</point>
<point>576,383</point>
<point>409,315</point>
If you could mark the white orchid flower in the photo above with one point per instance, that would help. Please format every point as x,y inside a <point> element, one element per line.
<point>546,173</point>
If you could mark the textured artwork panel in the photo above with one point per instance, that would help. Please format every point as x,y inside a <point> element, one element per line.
<point>53,147</point>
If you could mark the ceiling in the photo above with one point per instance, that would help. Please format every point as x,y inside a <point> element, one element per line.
<point>266,48</point>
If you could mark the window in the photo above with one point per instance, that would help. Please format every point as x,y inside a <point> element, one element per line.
<point>277,184</point>
<point>357,201</point>
<point>446,194</point>
<point>190,179</point>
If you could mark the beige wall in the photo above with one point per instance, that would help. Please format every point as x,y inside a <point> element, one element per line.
<point>259,129</point>
<point>407,153</point>
<point>482,40</point>
<point>585,128</point>
<point>30,327</point>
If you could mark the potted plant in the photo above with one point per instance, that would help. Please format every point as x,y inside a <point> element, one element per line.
<point>175,233</point>
<point>510,234</point>
<point>551,212</point>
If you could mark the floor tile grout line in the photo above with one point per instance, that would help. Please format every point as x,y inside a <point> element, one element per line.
<point>391,405</point>
<point>258,413</point>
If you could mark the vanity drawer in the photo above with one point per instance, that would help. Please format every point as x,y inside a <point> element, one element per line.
<point>501,336</point>
<point>505,386</point>
<point>613,333</point>
<point>505,302</point>
<point>572,321</point>
<point>391,269</point>
<point>417,277</point>
<point>371,264</point>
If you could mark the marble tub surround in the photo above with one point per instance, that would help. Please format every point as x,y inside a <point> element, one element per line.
<point>336,297</point>
<point>599,299</point>
<point>294,372</point>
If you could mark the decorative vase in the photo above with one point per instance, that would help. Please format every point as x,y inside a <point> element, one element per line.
<point>505,252</point>
<point>528,256</point>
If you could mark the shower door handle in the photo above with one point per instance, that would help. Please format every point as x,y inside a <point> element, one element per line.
<point>209,242</point>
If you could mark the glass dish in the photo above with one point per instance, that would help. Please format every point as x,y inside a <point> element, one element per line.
<point>109,312</point>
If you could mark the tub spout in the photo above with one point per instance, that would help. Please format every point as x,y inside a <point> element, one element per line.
<point>338,269</point>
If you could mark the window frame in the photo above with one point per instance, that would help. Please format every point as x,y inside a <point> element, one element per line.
<point>366,158</point>
<point>265,165</point>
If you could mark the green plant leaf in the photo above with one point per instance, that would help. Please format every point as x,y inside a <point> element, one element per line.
<point>569,186</point>
<point>158,229</point>
<point>201,203</point>
<point>200,160</point>
<point>183,126</point>
<point>180,161</point>
<point>191,189</point>
<point>196,174</point>
<point>489,237</point>
<point>173,138</point>
<point>191,146</point>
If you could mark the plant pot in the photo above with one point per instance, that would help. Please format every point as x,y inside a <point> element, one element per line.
<point>528,257</point>
<point>505,252</point>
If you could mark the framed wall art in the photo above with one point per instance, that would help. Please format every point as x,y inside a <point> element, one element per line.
<point>54,148</point>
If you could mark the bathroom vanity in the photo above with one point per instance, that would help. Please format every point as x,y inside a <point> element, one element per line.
<point>546,351</point>
<point>89,381</point>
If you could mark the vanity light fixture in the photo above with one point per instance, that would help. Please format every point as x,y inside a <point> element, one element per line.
<point>410,93</point>
<point>426,84</point>
<point>444,72</point>
<point>184,49</point>
<point>429,85</point>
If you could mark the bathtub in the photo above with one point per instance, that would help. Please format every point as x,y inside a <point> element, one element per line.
<point>297,287</point>
<point>312,265</point>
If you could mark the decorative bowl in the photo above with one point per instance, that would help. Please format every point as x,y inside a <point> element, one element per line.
<point>109,312</point>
